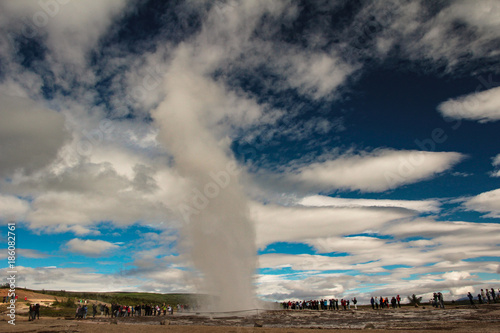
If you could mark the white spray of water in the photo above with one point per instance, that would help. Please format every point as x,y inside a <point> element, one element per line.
<point>216,220</point>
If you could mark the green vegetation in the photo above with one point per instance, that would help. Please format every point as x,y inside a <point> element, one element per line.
<point>69,303</point>
<point>128,298</point>
<point>49,311</point>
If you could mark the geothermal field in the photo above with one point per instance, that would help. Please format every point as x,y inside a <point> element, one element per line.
<point>485,318</point>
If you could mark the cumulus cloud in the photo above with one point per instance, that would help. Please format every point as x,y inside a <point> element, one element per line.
<point>308,287</point>
<point>93,248</point>
<point>12,208</point>
<point>77,173</point>
<point>84,279</point>
<point>437,262</point>
<point>496,163</point>
<point>481,106</point>
<point>27,253</point>
<point>496,160</point>
<point>487,202</point>
<point>377,171</point>
<point>71,29</point>
<point>30,135</point>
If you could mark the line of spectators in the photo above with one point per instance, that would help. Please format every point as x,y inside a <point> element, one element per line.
<point>485,297</point>
<point>322,304</point>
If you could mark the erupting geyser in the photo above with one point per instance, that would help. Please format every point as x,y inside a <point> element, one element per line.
<point>215,214</point>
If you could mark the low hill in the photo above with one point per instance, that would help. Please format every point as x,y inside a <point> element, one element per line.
<point>128,298</point>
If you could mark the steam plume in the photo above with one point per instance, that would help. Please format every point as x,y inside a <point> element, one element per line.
<point>217,225</point>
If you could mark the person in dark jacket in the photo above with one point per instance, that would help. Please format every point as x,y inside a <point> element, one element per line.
<point>471,299</point>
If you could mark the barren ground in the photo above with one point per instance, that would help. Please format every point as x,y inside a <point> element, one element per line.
<point>485,318</point>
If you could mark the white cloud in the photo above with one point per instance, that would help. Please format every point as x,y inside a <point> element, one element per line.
<point>496,163</point>
<point>417,205</point>
<point>27,253</point>
<point>456,275</point>
<point>30,135</point>
<point>487,202</point>
<point>126,177</point>
<point>93,248</point>
<point>307,287</point>
<point>377,171</point>
<point>496,160</point>
<point>30,253</point>
<point>294,224</point>
<point>436,263</point>
<point>431,228</point>
<point>72,28</point>
<point>460,31</point>
<point>13,208</point>
<point>316,75</point>
<point>77,279</point>
<point>482,106</point>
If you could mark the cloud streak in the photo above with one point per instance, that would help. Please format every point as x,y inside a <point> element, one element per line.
<point>375,171</point>
<point>481,106</point>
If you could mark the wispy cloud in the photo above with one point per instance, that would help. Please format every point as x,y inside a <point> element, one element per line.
<point>375,171</point>
<point>325,201</point>
<point>481,106</point>
<point>487,202</point>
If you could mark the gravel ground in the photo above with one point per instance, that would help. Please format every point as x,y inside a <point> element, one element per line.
<point>455,319</point>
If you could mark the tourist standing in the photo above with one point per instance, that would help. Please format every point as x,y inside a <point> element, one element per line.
<point>31,312</point>
<point>37,311</point>
<point>441,300</point>
<point>471,298</point>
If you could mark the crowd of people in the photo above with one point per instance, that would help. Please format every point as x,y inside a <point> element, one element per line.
<point>118,310</point>
<point>341,304</point>
<point>382,302</point>
<point>485,297</point>
<point>437,300</point>
<point>34,312</point>
<point>322,304</point>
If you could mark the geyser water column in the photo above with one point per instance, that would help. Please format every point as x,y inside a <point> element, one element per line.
<point>215,212</point>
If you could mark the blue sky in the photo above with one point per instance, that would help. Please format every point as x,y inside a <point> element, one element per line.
<point>308,149</point>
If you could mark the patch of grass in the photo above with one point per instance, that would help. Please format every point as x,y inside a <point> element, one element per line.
<point>129,298</point>
<point>123,298</point>
<point>46,311</point>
